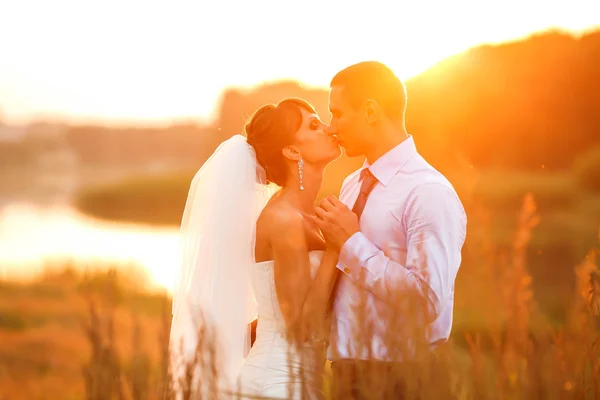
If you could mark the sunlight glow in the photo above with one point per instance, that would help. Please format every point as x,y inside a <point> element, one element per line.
<point>154,61</point>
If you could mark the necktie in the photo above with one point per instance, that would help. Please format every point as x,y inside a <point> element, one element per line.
<point>368,183</point>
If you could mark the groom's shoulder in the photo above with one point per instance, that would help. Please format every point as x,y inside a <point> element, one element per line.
<point>426,178</point>
<point>428,174</point>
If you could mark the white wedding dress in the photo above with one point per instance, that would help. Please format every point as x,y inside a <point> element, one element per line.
<point>219,286</point>
<point>273,367</point>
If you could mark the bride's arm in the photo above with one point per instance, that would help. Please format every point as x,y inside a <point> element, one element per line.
<point>317,300</point>
<point>298,294</point>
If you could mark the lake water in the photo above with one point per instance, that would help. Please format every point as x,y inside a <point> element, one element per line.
<point>32,235</point>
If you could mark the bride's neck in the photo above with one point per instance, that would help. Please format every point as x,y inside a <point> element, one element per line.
<point>304,199</point>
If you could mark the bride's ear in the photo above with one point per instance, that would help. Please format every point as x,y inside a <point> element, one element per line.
<point>291,153</point>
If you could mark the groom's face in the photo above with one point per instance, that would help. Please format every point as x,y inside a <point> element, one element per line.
<point>346,123</point>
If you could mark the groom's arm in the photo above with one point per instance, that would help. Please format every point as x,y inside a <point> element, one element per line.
<point>435,232</point>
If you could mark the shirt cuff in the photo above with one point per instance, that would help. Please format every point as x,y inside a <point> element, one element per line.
<point>355,252</point>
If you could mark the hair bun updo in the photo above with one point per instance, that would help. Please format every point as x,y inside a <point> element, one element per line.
<point>272,128</point>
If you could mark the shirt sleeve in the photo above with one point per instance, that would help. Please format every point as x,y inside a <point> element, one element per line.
<point>435,224</point>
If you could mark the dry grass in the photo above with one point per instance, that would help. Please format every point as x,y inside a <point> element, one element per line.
<point>511,352</point>
<point>503,346</point>
<point>43,343</point>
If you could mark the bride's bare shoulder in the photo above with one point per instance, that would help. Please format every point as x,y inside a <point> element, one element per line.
<point>279,216</point>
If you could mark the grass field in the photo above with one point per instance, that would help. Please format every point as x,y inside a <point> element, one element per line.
<point>526,304</point>
<point>505,339</point>
<point>44,346</point>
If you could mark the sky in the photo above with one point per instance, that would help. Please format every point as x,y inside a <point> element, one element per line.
<point>125,61</point>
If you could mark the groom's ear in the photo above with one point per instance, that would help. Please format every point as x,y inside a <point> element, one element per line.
<point>372,112</point>
<point>291,153</point>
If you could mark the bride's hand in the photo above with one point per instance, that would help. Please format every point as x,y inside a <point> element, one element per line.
<point>336,221</point>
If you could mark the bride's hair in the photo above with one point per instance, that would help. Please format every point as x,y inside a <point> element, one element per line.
<point>271,128</point>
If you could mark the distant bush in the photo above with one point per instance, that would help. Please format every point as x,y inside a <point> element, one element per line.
<point>157,200</point>
<point>587,169</point>
<point>14,154</point>
<point>506,190</point>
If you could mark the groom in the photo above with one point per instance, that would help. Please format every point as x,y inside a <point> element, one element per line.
<point>399,227</point>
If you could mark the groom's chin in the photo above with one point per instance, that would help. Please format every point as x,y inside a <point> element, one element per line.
<point>350,153</point>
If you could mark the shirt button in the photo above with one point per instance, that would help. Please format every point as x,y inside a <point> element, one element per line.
<point>347,270</point>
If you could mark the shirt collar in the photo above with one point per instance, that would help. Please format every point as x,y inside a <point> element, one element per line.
<point>388,165</point>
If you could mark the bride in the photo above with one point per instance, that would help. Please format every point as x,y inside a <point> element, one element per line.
<point>249,251</point>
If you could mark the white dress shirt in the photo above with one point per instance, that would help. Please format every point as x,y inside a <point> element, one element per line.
<point>412,211</point>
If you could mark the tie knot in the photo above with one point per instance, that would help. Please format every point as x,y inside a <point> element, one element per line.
<point>368,180</point>
<point>367,176</point>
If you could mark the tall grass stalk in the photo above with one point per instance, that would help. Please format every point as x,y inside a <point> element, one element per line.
<point>511,353</point>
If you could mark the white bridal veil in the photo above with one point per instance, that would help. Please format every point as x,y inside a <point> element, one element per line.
<point>212,284</point>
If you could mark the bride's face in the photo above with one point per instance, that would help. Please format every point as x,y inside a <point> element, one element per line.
<point>313,142</point>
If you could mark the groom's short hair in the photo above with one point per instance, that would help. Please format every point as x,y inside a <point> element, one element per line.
<point>373,80</point>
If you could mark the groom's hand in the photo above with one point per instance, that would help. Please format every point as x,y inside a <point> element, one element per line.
<point>337,222</point>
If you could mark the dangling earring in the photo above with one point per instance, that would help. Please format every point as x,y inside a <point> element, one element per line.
<point>301,171</point>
